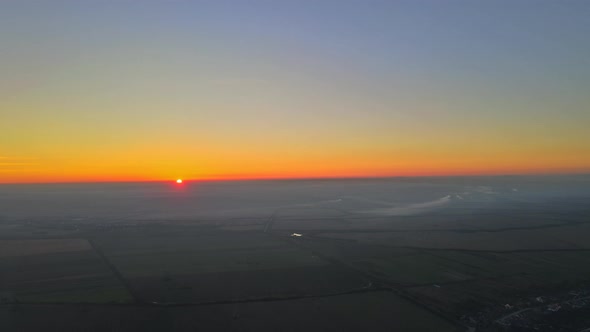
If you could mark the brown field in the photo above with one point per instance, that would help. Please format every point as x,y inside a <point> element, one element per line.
<point>16,248</point>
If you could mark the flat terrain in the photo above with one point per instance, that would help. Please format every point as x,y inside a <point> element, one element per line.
<point>56,271</point>
<point>18,248</point>
<point>490,264</point>
<point>375,311</point>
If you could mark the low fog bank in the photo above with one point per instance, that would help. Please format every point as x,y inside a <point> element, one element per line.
<point>115,202</point>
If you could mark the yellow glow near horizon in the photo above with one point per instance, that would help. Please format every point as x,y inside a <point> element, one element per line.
<point>159,94</point>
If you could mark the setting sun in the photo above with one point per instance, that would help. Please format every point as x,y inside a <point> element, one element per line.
<point>425,161</point>
<point>456,101</point>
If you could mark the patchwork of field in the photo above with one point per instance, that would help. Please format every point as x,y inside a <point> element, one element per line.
<point>373,311</point>
<point>186,278</point>
<point>17,248</point>
<point>410,273</point>
<point>211,266</point>
<point>56,271</point>
<point>566,237</point>
<point>462,280</point>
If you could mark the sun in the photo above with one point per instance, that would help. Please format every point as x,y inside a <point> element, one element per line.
<point>178,180</point>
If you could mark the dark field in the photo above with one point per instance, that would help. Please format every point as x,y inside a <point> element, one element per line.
<point>493,254</point>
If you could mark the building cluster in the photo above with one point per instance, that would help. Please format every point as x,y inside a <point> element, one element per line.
<point>540,313</point>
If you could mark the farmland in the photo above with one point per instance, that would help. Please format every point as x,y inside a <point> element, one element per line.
<point>497,266</point>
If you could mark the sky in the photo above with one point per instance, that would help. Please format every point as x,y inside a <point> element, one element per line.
<point>154,90</point>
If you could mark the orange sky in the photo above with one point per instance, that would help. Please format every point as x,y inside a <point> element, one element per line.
<point>165,90</point>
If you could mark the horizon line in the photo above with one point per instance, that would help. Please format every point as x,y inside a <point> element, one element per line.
<point>306,178</point>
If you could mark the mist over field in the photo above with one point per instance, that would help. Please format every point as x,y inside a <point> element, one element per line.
<point>496,253</point>
<point>295,165</point>
<point>371,198</point>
